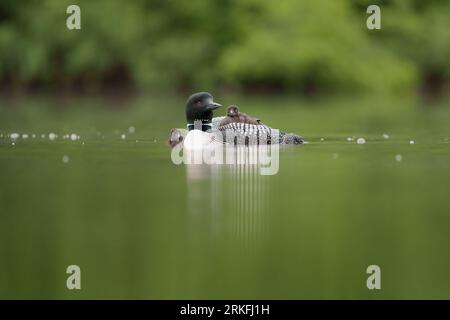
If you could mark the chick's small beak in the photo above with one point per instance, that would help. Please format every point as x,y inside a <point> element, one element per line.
<point>213,106</point>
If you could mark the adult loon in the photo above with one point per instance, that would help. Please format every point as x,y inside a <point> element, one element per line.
<point>201,125</point>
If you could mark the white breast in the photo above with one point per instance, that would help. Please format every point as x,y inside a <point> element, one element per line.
<point>197,139</point>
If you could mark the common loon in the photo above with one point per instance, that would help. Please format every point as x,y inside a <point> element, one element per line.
<point>201,125</point>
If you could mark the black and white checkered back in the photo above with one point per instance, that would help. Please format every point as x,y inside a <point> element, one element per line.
<point>244,133</point>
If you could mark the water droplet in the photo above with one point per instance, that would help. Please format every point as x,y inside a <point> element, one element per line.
<point>123,136</point>
<point>14,136</point>
<point>412,142</point>
<point>52,136</point>
<point>385,135</point>
<point>65,159</point>
<point>398,157</point>
<point>361,141</point>
<point>24,136</point>
<point>131,129</point>
<point>73,137</point>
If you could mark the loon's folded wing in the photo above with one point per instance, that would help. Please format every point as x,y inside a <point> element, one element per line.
<point>215,122</point>
<point>244,133</point>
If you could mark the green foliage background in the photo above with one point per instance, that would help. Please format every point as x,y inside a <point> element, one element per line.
<point>287,45</point>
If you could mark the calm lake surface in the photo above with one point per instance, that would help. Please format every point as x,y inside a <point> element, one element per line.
<point>140,226</point>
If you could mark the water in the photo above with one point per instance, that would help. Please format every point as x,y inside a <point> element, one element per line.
<point>141,227</point>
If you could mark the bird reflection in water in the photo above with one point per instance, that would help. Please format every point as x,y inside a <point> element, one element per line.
<point>233,197</point>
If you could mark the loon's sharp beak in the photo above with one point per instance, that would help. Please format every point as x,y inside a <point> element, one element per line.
<point>213,106</point>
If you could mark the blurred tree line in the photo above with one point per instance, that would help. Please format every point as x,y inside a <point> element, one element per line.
<point>265,45</point>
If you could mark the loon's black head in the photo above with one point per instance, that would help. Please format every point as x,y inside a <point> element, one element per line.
<point>199,109</point>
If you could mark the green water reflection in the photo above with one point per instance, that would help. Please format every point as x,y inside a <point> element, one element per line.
<point>141,227</point>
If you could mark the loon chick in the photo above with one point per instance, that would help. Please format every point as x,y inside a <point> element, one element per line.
<point>250,130</point>
<point>233,115</point>
<point>176,137</point>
